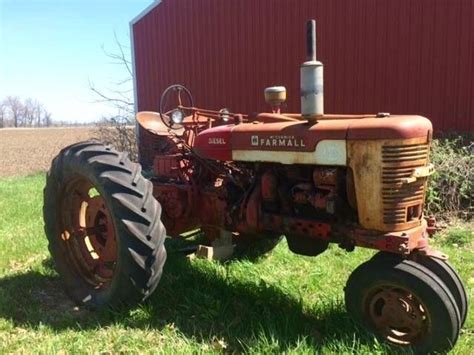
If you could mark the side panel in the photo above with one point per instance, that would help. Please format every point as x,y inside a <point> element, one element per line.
<point>215,143</point>
<point>328,152</point>
<point>297,142</point>
<point>365,163</point>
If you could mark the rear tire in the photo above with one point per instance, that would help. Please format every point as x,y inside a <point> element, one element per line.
<point>403,303</point>
<point>103,226</point>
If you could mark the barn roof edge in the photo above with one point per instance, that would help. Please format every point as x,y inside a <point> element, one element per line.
<point>145,12</point>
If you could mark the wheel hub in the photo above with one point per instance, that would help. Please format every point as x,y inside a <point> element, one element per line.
<point>101,235</point>
<point>397,315</point>
<point>89,233</point>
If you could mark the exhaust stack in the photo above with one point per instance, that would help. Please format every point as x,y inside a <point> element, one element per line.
<point>312,82</point>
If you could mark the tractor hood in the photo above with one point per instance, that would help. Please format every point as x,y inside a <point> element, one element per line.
<point>287,140</point>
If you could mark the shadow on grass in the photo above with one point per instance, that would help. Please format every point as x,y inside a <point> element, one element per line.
<point>200,302</point>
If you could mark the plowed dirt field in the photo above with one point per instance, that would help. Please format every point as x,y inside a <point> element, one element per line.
<point>25,151</point>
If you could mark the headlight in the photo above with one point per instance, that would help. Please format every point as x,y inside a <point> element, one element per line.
<point>177,116</point>
<point>224,113</point>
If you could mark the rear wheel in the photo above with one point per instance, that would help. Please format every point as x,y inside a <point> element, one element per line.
<point>103,226</point>
<point>403,303</point>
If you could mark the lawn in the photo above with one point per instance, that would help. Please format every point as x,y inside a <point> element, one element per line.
<point>280,303</point>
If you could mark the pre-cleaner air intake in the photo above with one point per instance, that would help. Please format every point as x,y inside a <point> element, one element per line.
<point>312,82</point>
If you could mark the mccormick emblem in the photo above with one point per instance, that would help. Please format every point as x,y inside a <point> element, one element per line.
<point>278,141</point>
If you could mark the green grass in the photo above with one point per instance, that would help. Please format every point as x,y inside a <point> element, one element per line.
<point>281,303</point>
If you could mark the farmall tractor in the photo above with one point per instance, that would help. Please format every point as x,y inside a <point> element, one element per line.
<point>353,180</point>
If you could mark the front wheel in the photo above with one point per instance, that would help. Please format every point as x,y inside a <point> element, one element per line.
<point>103,226</point>
<point>445,271</point>
<point>403,303</point>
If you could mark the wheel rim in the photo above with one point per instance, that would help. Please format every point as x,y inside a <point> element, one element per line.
<point>89,233</point>
<point>397,314</point>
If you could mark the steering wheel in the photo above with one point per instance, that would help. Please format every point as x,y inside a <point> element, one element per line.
<point>172,101</point>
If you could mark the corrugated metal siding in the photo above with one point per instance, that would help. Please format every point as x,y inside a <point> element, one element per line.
<point>398,56</point>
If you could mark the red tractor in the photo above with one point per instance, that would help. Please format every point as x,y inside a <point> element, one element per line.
<point>358,181</point>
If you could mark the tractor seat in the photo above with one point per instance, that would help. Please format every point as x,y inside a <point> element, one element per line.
<point>151,121</point>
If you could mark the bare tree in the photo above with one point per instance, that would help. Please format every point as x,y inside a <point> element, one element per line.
<point>46,119</point>
<point>121,96</point>
<point>26,113</point>
<point>15,107</point>
<point>3,113</point>
<point>29,109</point>
<point>38,112</point>
<point>118,129</point>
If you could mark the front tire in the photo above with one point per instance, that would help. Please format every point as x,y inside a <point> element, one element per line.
<point>404,304</point>
<point>445,271</point>
<point>103,226</point>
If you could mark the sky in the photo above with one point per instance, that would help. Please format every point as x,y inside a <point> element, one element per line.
<point>50,50</point>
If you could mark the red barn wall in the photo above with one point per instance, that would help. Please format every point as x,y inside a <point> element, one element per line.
<point>398,56</point>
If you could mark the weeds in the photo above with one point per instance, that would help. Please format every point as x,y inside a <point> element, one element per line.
<point>459,236</point>
<point>119,132</point>
<point>450,189</point>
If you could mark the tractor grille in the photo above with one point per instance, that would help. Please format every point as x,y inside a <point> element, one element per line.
<point>403,203</point>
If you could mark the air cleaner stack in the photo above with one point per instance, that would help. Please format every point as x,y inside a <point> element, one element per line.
<point>312,82</point>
